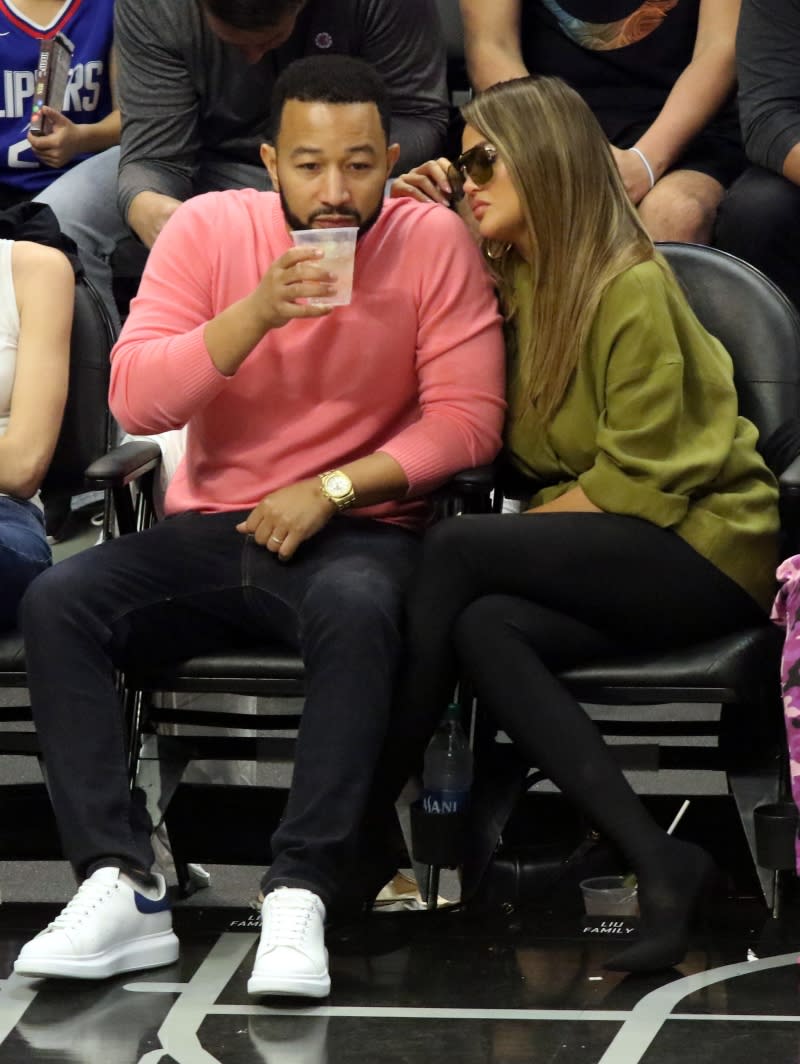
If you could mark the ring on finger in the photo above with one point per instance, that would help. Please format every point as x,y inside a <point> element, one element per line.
<point>277,539</point>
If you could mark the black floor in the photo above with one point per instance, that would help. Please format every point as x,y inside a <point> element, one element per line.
<point>417,988</point>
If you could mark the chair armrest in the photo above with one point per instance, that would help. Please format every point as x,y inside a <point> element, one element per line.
<point>475,481</point>
<point>468,491</point>
<point>789,480</point>
<point>124,464</point>
<point>789,486</point>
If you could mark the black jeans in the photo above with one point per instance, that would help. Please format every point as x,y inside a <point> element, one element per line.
<point>192,584</point>
<point>759,221</point>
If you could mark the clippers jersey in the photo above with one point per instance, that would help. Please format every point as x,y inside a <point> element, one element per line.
<point>89,24</point>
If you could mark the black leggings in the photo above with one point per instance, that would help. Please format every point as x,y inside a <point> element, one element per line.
<point>511,600</point>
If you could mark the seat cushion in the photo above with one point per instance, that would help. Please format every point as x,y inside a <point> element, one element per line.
<point>729,669</point>
<point>268,671</point>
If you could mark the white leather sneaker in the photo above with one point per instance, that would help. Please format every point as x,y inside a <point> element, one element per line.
<point>291,956</point>
<point>112,925</point>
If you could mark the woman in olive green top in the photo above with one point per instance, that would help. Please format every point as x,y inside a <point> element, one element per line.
<point>657,523</point>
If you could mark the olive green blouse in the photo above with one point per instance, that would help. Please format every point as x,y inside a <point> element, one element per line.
<point>649,427</point>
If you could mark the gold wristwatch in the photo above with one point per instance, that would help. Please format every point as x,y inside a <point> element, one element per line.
<point>337,487</point>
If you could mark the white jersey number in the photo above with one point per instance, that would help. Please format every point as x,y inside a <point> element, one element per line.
<point>14,161</point>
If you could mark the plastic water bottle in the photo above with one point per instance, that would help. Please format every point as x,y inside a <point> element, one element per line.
<point>447,769</point>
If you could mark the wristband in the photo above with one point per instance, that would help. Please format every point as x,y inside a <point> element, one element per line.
<point>647,165</point>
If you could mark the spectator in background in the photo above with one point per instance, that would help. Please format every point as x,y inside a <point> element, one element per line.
<point>195,83</point>
<point>760,217</point>
<point>34,367</point>
<point>659,79</point>
<point>89,122</point>
<point>73,168</point>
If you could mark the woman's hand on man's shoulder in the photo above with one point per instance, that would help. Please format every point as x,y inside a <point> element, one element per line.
<point>427,183</point>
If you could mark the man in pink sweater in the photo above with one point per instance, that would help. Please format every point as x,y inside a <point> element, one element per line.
<point>315,435</point>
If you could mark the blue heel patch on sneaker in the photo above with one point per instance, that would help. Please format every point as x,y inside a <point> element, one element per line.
<point>147,905</point>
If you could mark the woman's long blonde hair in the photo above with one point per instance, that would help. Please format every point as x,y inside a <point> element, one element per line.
<point>582,228</point>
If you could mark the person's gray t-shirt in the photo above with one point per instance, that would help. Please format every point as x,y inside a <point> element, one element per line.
<point>768,61</point>
<point>188,99</point>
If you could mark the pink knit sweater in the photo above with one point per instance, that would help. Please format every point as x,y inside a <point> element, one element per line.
<point>413,367</point>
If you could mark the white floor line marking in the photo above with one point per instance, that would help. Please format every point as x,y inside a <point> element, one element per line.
<point>736,1017</point>
<point>648,1015</point>
<point>572,1015</point>
<point>368,1012</point>
<point>16,994</point>
<point>178,1032</point>
<point>155,988</point>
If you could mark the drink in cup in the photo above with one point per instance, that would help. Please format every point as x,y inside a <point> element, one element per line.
<point>338,247</point>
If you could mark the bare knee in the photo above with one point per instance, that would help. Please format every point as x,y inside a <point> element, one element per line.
<point>682,207</point>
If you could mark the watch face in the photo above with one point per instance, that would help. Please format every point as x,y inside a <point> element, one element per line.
<point>338,485</point>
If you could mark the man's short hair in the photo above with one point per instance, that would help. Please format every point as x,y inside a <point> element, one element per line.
<point>330,79</point>
<point>252,14</point>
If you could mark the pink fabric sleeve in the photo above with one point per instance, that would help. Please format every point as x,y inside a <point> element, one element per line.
<point>161,371</point>
<point>460,357</point>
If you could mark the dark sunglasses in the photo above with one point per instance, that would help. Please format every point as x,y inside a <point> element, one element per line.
<point>477,164</point>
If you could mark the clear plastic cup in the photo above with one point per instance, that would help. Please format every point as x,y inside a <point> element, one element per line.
<point>339,250</point>
<point>609,896</point>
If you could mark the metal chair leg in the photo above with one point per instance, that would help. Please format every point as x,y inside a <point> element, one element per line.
<point>432,887</point>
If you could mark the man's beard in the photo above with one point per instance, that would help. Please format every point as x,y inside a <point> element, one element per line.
<point>294,222</point>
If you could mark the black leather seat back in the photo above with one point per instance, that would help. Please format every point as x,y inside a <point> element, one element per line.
<point>85,428</point>
<point>754,320</point>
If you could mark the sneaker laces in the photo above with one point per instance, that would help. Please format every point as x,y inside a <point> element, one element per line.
<point>288,921</point>
<point>89,895</point>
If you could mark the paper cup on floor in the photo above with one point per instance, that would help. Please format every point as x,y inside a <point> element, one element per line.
<point>609,896</point>
<point>338,247</point>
